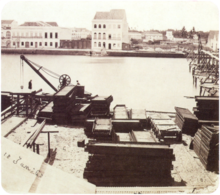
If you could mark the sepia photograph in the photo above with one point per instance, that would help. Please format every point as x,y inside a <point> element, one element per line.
<point>109,97</point>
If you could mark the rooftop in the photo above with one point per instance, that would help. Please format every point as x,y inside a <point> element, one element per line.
<point>152,32</point>
<point>114,14</point>
<point>39,23</point>
<point>6,21</point>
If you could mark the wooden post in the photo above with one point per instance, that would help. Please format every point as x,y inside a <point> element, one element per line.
<point>31,101</point>
<point>33,147</point>
<point>48,133</point>
<point>26,99</point>
<point>18,105</point>
<point>38,149</point>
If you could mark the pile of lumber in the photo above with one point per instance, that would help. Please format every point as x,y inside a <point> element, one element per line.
<point>100,106</point>
<point>80,112</point>
<point>129,164</point>
<point>120,112</point>
<point>206,146</point>
<point>63,102</point>
<point>165,129</point>
<point>207,108</point>
<point>102,129</point>
<point>186,121</point>
<point>46,112</point>
<point>143,136</point>
<point>139,114</point>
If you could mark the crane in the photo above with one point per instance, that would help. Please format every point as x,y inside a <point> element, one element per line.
<point>64,79</point>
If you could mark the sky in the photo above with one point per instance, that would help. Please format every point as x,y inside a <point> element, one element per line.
<point>141,15</point>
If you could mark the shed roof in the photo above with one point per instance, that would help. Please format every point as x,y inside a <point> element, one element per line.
<point>6,21</point>
<point>39,23</point>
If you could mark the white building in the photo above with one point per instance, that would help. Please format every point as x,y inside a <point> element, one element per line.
<point>109,30</point>
<point>152,36</point>
<point>38,35</point>
<point>133,34</point>
<point>80,33</point>
<point>169,35</point>
<point>213,40</point>
<point>6,32</point>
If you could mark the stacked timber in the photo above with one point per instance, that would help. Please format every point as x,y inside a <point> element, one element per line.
<point>207,108</point>
<point>63,102</point>
<point>46,112</point>
<point>80,112</point>
<point>120,112</point>
<point>186,121</point>
<point>206,146</point>
<point>166,129</point>
<point>139,114</point>
<point>121,137</point>
<point>143,136</point>
<point>129,164</point>
<point>102,129</point>
<point>100,106</point>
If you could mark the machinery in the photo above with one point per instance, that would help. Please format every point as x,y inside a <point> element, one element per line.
<point>64,79</point>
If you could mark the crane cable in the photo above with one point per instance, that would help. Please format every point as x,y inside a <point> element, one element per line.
<point>47,71</point>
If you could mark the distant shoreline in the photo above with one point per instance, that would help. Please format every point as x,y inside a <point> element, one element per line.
<point>86,52</point>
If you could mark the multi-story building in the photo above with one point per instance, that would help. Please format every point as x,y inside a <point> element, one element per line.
<point>37,35</point>
<point>134,34</point>
<point>152,36</point>
<point>80,33</point>
<point>6,32</point>
<point>110,30</point>
<point>213,40</point>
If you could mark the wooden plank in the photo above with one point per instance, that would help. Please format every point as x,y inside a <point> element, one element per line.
<point>25,172</point>
<point>11,124</point>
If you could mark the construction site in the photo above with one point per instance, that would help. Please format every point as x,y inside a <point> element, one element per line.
<point>73,142</point>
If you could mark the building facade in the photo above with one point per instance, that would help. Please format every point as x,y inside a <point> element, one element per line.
<point>6,32</point>
<point>109,30</point>
<point>133,34</point>
<point>169,35</point>
<point>213,40</point>
<point>80,33</point>
<point>43,35</point>
<point>152,36</point>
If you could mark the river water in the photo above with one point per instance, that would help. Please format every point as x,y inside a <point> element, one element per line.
<point>157,84</point>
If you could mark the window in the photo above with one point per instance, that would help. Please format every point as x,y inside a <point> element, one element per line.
<point>104,44</point>
<point>94,44</point>
<point>31,34</point>
<point>22,34</point>
<point>45,36</point>
<point>40,43</point>
<point>100,26</point>
<point>56,35</point>
<point>109,36</point>
<point>99,35</point>
<point>103,35</point>
<point>8,34</point>
<point>99,44</point>
<point>51,43</point>
<point>31,43</point>
<point>114,26</point>
<point>45,43</point>
<point>104,26</point>
<point>95,26</point>
<point>13,43</point>
<point>26,34</point>
<point>94,35</point>
<point>22,43</point>
<point>119,26</point>
<point>51,35</point>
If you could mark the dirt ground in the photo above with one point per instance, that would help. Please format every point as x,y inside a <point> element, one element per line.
<point>188,170</point>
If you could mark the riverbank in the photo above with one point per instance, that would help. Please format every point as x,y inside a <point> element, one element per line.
<point>153,54</point>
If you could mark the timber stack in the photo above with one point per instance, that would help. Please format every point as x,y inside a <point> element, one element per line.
<point>100,106</point>
<point>164,127</point>
<point>79,113</point>
<point>186,121</point>
<point>207,108</point>
<point>63,102</point>
<point>129,164</point>
<point>206,146</point>
<point>102,129</point>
